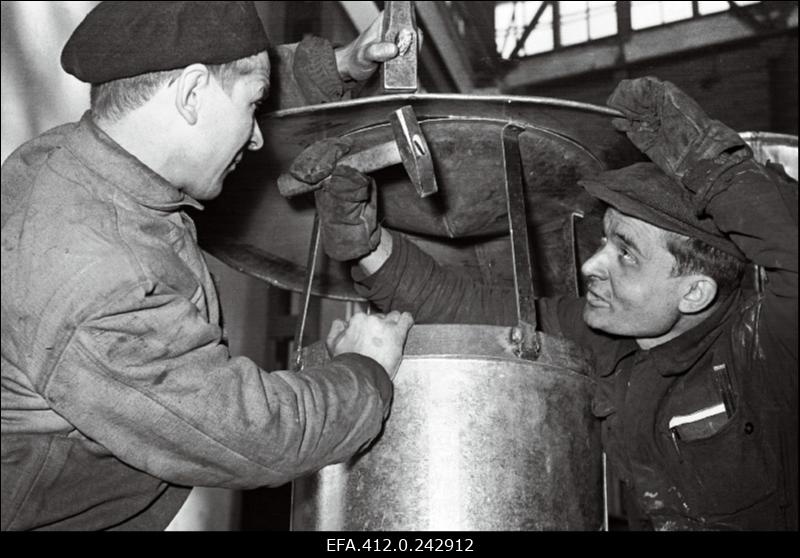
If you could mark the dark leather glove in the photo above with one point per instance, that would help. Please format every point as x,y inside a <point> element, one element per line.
<point>318,160</point>
<point>669,126</point>
<point>347,207</point>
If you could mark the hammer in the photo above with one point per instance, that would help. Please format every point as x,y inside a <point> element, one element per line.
<point>408,147</point>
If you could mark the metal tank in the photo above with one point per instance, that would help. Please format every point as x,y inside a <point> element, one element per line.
<point>477,439</point>
<point>491,426</point>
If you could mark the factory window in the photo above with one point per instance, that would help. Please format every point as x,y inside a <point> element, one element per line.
<point>650,14</point>
<point>705,8</point>
<point>527,28</point>
<point>583,21</point>
<point>511,19</point>
<point>578,22</point>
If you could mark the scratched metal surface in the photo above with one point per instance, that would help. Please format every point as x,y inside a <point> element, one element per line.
<point>477,440</point>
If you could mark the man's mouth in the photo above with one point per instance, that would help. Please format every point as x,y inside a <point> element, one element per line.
<point>593,299</point>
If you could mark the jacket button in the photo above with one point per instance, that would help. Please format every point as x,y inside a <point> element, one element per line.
<point>748,428</point>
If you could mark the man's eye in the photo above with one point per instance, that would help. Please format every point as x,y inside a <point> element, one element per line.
<point>626,256</point>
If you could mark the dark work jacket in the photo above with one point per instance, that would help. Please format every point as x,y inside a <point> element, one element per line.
<point>118,390</point>
<point>706,472</point>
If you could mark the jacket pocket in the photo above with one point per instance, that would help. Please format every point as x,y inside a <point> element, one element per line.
<point>729,471</point>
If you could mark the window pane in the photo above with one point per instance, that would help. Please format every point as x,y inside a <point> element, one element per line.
<point>711,7</point>
<point>675,11</point>
<point>503,14</point>
<point>574,32</point>
<point>645,14</point>
<point>567,8</point>
<point>511,19</point>
<point>574,23</point>
<point>603,24</point>
<point>540,40</point>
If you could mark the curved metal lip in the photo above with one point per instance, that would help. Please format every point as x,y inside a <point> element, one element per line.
<point>546,367</point>
<point>483,120</point>
<point>502,99</point>
<point>787,140</point>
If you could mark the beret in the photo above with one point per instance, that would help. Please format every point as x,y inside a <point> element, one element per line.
<point>643,191</point>
<point>124,39</point>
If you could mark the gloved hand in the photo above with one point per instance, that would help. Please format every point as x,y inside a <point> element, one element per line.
<point>347,207</point>
<point>318,160</point>
<point>669,126</point>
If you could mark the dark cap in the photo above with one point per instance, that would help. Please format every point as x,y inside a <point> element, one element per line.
<point>643,191</point>
<point>125,39</point>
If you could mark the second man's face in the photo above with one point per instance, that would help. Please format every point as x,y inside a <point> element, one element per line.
<point>631,290</point>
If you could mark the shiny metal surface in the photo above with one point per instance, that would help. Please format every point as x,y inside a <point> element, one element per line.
<point>478,439</point>
<point>778,148</point>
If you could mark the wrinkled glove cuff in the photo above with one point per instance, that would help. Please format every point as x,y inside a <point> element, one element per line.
<point>706,178</point>
<point>316,73</point>
<point>347,207</point>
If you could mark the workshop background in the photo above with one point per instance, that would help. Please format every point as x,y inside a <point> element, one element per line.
<point>737,59</point>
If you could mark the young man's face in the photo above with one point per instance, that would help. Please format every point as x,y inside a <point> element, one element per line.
<point>228,128</point>
<point>630,287</point>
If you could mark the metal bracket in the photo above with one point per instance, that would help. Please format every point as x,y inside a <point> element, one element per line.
<point>524,335</point>
<point>300,328</point>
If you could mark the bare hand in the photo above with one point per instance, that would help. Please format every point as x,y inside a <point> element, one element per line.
<point>359,59</point>
<point>378,336</point>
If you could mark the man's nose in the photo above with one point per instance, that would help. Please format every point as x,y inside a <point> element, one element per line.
<point>595,266</point>
<point>256,138</point>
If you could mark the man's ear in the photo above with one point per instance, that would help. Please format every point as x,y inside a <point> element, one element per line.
<point>188,92</point>
<point>699,293</point>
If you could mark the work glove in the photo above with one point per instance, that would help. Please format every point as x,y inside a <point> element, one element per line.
<point>671,128</point>
<point>347,207</point>
<point>318,160</point>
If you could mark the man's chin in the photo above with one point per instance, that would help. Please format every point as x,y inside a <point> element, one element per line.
<point>596,318</point>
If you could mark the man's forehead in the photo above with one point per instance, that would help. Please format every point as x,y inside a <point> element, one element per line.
<point>632,227</point>
<point>258,79</point>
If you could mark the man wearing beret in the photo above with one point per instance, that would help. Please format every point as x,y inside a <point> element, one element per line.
<point>118,391</point>
<point>696,377</point>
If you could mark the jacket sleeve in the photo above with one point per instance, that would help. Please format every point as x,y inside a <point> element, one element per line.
<point>148,377</point>
<point>756,206</point>
<point>410,280</point>
<point>305,73</point>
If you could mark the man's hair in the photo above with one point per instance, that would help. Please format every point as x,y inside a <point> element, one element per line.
<point>113,99</point>
<point>695,256</point>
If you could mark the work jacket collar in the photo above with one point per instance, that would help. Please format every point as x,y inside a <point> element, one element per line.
<point>105,157</point>
<point>678,355</point>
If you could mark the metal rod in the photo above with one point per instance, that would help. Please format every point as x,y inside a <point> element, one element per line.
<point>311,265</point>
<point>524,335</point>
<point>574,217</point>
<point>605,493</point>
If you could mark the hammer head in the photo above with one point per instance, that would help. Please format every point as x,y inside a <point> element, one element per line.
<point>413,149</point>
<point>399,75</point>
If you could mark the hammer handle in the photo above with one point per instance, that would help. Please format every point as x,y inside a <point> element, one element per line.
<point>371,159</point>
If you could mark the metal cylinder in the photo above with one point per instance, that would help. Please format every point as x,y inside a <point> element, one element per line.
<point>477,439</point>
